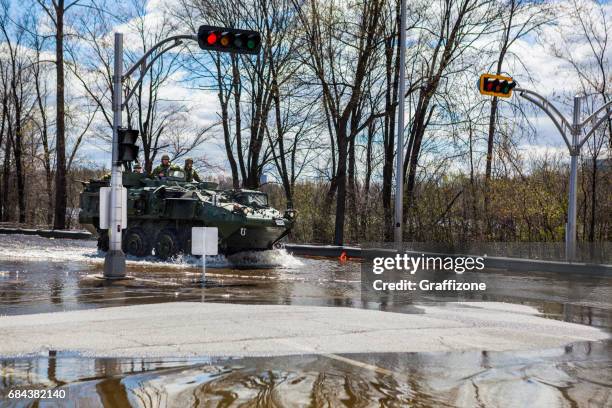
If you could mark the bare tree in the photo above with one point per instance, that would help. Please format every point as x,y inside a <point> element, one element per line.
<point>7,138</point>
<point>56,10</point>
<point>517,19</point>
<point>43,125</point>
<point>19,91</point>
<point>156,117</point>
<point>340,61</point>
<point>455,26</point>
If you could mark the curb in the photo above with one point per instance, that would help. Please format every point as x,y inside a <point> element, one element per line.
<point>48,233</point>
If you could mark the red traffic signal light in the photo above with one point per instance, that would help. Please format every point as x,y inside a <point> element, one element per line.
<point>229,40</point>
<point>212,38</point>
<point>496,85</point>
<point>128,151</point>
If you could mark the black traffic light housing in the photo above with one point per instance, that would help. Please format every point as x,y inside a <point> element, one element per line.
<point>225,39</point>
<point>128,151</point>
<point>496,85</point>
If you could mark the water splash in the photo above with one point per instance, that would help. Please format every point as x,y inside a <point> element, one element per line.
<point>39,249</point>
<point>250,259</point>
<point>274,257</point>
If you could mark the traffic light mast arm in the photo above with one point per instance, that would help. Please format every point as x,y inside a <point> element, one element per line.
<point>177,41</point>
<point>156,46</point>
<point>545,102</point>
<point>550,110</point>
<point>146,68</point>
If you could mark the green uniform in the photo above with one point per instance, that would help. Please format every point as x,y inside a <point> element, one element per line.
<point>164,171</point>
<point>191,175</point>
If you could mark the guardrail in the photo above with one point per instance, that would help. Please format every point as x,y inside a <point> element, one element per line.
<point>513,264</point>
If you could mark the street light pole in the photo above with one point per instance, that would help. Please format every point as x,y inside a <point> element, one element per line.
<point>114,262</point>
<point>575,130</point>
<point>399,171</point>
<point>570,235</point>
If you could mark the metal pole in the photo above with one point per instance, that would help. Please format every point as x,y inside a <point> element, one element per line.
<point>399,173</point>
<point>574,149</point>
<point>204,258</point>
<point>114,263</point>
<point>570,229</point>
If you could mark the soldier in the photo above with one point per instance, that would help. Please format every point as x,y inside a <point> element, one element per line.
<point>163,170</point>
<point>190,173</point>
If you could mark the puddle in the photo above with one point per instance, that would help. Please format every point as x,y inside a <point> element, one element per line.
<point>42,275</point>
<point>576,375</point>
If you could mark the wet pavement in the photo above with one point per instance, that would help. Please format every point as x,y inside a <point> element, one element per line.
<point>40,275</point>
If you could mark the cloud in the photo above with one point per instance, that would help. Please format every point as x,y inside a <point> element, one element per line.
<point>551,76</point>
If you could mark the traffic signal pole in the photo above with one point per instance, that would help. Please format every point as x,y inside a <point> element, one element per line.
<point>574,129</point>
<point>114,262</point>
<point>229,40</point>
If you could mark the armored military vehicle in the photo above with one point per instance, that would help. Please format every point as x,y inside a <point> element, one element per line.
<point>161,212</point>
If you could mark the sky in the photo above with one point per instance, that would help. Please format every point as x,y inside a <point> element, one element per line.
<point>553,77</point>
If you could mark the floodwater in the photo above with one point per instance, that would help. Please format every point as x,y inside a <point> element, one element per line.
<point>40,275</point>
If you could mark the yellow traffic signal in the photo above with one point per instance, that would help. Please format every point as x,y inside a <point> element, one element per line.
<point>496,85</point>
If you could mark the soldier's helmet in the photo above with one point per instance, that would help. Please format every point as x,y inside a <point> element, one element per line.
<point>189,160</point>
<point>165,157</point>
<point>137,166</point>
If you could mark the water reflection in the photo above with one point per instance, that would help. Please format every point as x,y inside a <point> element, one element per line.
<point>576,375</point>
<point>61,276</point>
<point>37,287</point>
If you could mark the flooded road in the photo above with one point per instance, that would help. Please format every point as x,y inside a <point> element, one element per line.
<point>39,275</point>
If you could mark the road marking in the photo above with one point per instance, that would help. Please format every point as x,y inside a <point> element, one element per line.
<point>337,357</point>
<point>360,364</point>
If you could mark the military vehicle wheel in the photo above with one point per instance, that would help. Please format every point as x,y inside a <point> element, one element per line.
<point>103,242</point>
<point>136,243</point>
<point>167,244</point>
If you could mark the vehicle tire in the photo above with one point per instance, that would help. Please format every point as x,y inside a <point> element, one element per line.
<point>167,244</point>
<point>136,242</point>
<point>103,241</point>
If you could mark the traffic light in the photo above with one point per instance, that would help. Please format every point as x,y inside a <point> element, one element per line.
<point>496,85</point>
<point>128,151</point>
<point>229,40</point>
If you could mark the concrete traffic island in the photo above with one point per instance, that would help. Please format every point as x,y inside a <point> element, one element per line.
<point>214,329</point>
